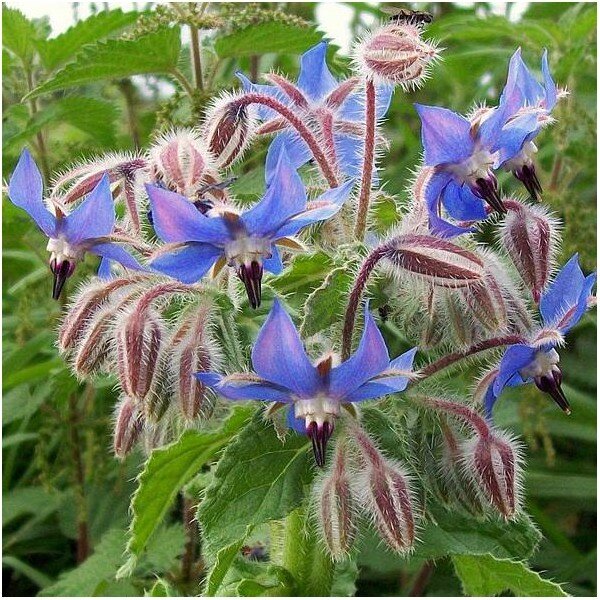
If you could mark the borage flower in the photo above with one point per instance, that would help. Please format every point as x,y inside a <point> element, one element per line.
<point>245,241</point>
<point>561,307</point>
<point>331,109</point>
<point>530,104</point>
<point>313,393</point>
<point>86,229</point>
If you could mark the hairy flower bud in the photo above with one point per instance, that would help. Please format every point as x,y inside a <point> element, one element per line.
<point>181,162</point>
<point>129,422</point>
<point>336,510</point>
<point>396,54</point>
<point>435,260</point>
<point>492,460</point>
<point>139,336</point>
<point>460,320</point>
<point>528,234</point>
<point>229,127</point>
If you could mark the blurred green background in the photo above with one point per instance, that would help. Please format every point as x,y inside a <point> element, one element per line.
<point>58,470</point>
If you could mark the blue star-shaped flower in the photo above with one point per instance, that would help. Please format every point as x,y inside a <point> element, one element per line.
<point>328,107</point>
<point>85,229</point>
<point>561,307</point>
<point>314,394</point>
<point>245,241</point>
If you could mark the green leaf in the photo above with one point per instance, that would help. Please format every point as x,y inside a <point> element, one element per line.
<point>40,579</point>
<point>305,273</point>
<point>167,470</point>
<point>257,479</point>
<point>161,589</point>
<point>222,564</point>
<point>28,501</point>
<point>264,38</point>
<point>153,53</point>
<point>489,576</point>
<point>555,485</point>
<point>58,50</point>
<point>20,403</point>
<point>18,33</point>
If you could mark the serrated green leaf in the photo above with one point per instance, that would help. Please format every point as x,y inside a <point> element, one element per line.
<point>58,50</point>
<point>257,479</point>
<point>489,576</point>
<point>152,53</point>
<point>18,33</point>
<point>304,274</point>
<point>264,38</point>
<point>224,559</point>
<point>167,470</point>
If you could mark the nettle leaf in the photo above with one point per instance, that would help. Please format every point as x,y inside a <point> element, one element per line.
<point>265,38</point>
<point>166,472</point>
<point>58,50</point>
<point>489,576</point>
<point>153,53</point>
<point>18,33</point>
<point>257,479</point>
<point>304,274</point>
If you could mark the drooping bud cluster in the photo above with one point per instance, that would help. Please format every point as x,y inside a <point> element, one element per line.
<point>396,54</point>
<point>129,423</point>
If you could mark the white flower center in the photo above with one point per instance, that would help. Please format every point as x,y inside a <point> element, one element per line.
<point>245,249</point>
<point>542,364</point>
<point>524,157</point>
<point>477,166</point>
<point>61,250</point>
<point>318,410</point>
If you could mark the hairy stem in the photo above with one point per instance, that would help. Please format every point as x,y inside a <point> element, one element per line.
<point>356,294</point>
<point>182,79</point>
<point>297,123</point>
<point>128,90</point>
<point>196,57</point>
<point>368,162</point>
<point>422,579</point>
<point>192,537</point>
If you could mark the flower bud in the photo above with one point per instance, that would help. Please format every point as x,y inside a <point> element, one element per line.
<point>396,54</point>
<point>139,335</point>
<point>485,302</point>
<point>94,346</point>
<point>528,234</point>
<point>181,162</point>
<point>336,510</point>
<point>435,260</point>
<point>128,426</point>
<point>228,128</point>
<point>460,320</point>
<point>493,462</point>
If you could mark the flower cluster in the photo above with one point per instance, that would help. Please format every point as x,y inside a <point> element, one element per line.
<point>161,314</point>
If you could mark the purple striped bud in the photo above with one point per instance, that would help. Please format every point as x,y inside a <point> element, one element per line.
<point>435,260</point>
<point>460,320</point>
<point>528,234</point>
<point>229,127</point>
<point>493,461</point>
<point>129,423</point>
<point>139,335</point>
<point>336,509</point>
<point>181,161</point>
<point>396,54</point>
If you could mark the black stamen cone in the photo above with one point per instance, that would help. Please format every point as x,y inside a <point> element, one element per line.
<point>528,177</point>
<point>251,275</point>
<point>61,273</point>
<point>487,189</point>
<point>550,384</point>
<point>319,436</point>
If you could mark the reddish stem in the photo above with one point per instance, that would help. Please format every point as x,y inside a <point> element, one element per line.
<point>461,411</point>
<point>299,126</point>
<point>369,158</point>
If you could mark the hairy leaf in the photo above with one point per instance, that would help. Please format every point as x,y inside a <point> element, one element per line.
<point>18,33</point>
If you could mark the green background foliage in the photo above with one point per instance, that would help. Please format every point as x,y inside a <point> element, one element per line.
<point>73,96</point>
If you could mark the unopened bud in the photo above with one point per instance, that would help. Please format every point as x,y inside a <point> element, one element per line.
<point>336,510</point>
<point>528,236</point>
<point>435,260</point>
<point>181,162</point>
<point>228,128</point>
<point>139,335</point>
<point>493,462</point>
<point>128,427</point>
<point>460,320</point>
<point>396,54</point>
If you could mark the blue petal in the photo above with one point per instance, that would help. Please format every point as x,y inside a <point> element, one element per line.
<point>446,135</point>
<point>516,358</point>
<point>279,356</point>
<point>104,269</point>
<point>514,135</point>
<point>25,190</point>
<point>568,292</point>
<point>405,360</point>
<point>328,205</point>
<point>244,389</point>
<point>114,252</point>
<point>489,400</point>
<point>462,204</point>
<point>176,219</point>
<point>273,264</point>
<point>433,195</point>
<point>549,85</point>
<point>369,360</point>
<point>93,218</point>
<point>298,425</point>
<point>315,79</point>
<point>521,86</point>
<point>488,135</point>
<point>264,113</point>
<point>296,148</point>
<point>284,198</point>
<point>188,264</point>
